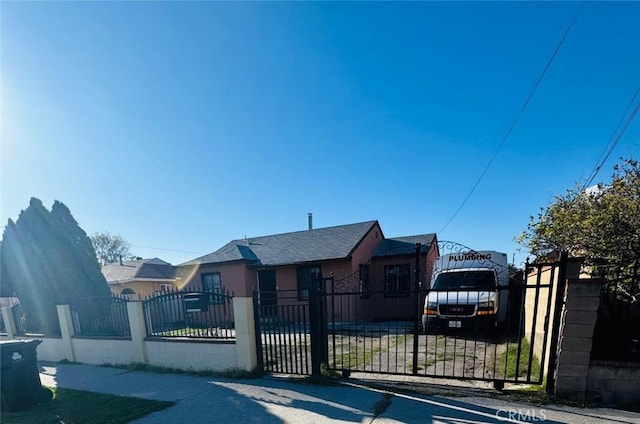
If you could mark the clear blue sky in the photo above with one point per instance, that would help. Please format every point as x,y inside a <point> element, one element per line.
<point>182,126</point>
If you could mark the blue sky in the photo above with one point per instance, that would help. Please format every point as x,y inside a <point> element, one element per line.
<point>181,126</point>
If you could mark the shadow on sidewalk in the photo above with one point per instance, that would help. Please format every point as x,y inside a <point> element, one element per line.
<point>275,400</point>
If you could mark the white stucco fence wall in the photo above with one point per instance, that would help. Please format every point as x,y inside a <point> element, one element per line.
<point>192,356</point>
<point>102,351</point>
<point>186,355</point>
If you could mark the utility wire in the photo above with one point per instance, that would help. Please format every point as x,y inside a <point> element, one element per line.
<point>613,140</point>
<point>517,118</point>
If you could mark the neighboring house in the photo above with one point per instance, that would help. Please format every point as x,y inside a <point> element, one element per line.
<point>357,255</point>
<point>141,278</point>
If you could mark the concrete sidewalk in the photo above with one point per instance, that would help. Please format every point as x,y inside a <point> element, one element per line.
<point>278,400</point>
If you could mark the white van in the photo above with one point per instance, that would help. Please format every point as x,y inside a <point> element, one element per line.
<point>465,291</point>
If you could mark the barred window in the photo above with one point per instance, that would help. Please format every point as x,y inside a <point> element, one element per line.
<point>211,282</point>
<point>397,280</point>
<point>307,275</point>
<point>363,272</point>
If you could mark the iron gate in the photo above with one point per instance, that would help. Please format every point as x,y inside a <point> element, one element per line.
<point>350,328</point>
<point>283,332</point>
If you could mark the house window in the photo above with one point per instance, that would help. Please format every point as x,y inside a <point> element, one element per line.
<point>363,272</point>
<point>306,276</point>
<point>397,280</point>
<point>166,288</point>
<point>211,282</point>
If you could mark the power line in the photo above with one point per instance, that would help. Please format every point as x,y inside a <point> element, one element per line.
<point>613,140</point>
<point>517,118</point>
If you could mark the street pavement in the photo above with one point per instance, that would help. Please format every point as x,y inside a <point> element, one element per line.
<point>280,400</point>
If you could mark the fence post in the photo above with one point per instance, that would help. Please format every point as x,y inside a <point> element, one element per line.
<point>316,323</point>
<point>417,314</point>
<point>138,331</point>
<point>258,332</point>
<point>244,322</point>
<point>9,322</point>
<point>66,330</point>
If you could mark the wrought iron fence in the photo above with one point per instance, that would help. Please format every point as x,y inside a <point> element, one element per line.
<point>282,332</point>
<point>617,331</point>
<point>28,323</point>
<point>190,313</point>
<point>3,327</point>
<point>101,317</point>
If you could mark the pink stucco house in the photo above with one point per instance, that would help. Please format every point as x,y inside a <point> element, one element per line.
<point>358,256</point>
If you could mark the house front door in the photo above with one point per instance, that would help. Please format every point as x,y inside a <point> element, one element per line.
<point>267,285</point>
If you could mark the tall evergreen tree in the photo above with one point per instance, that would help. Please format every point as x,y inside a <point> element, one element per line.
<point>48,260</point>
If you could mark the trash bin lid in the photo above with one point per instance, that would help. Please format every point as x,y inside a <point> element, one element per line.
<point>22,347</point>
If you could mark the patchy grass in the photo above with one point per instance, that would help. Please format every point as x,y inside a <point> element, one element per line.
<point>327,373</point>
<point>509,361</point>
<point>230,373</point>
<point>354,356</point>
<point>536,395</point>
<point>321,380</point>
<point>76,406</point>
<point>327,377</point>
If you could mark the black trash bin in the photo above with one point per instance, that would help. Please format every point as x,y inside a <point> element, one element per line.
<point>20,386</point>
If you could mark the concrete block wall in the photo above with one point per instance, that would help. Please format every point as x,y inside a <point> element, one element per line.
<point>614,383</point>
<point>576,337</point>
<point>199,355</point>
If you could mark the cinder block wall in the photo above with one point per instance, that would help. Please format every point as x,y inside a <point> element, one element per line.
<point>614,383</point>
<point>577,376</point>
<point>576,337</point>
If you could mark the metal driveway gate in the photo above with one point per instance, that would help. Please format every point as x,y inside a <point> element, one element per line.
<point>366,331</point>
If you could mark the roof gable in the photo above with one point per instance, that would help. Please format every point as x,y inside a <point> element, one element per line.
<point>289,248</point>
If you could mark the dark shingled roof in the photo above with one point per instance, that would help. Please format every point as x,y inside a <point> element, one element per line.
<point>138,270</point>
<point>403,245</point>
<point>290,248</point>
